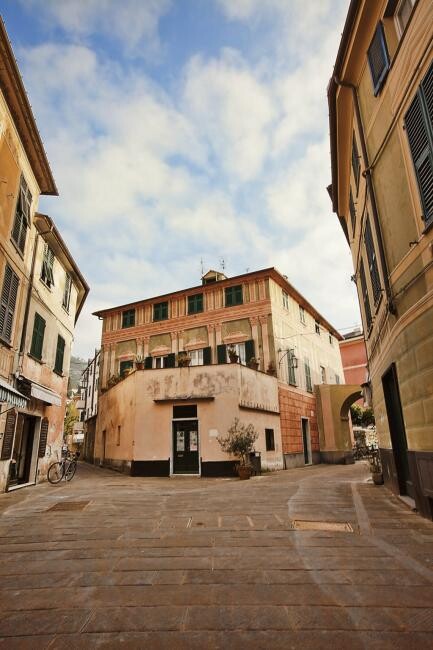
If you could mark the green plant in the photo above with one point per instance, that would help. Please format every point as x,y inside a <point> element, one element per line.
<point>239,441</point>
<point>356,414</point>
<point>183,359</point>
<point>233,355</point>
<point>253,362</point>
<point>375,463</point>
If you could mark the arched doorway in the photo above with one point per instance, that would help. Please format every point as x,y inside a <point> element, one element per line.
<point>333,404</point>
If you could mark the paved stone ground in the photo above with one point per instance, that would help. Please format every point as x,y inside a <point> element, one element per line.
<point>200,563</point>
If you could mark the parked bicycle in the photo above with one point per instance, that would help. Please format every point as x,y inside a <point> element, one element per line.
<point>66,467</point>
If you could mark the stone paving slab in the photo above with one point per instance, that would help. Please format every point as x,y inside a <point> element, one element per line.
<point>163,563</point>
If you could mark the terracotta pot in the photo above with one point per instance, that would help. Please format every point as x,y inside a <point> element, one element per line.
<point>244,472</point>
<point>253,366</point>
<point>234,358</point>
<point>377,478</point>
<point>139,365</point>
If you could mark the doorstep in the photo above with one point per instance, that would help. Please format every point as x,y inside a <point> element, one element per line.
<point>22,485</point>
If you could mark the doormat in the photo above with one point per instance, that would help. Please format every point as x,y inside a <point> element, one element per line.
<point>66,506</point>
<point>298,524</point>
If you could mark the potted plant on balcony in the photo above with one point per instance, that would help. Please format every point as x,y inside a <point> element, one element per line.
<point>271,369</point>
<point>233,355</point>
<point>183,359</point>
<point>239,442</point>
<point>139,362</point>
<point>376,468</point>
<point>253,363</point>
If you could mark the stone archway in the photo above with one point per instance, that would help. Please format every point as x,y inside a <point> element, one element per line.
<point>333,404</point>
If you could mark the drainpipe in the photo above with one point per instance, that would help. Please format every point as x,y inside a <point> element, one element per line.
<point>367,173</point>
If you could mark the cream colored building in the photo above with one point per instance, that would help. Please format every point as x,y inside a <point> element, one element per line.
<point>288,345</point>
<point>381,123</point>
<point>36,324</point>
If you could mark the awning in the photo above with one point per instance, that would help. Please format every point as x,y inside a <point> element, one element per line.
<point>45,394</point>
<point>10,395</point>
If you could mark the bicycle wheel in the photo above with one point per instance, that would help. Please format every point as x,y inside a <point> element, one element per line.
<point>56,472</point>
<point>70,471</point>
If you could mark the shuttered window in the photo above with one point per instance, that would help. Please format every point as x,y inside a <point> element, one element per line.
<point>419,128</point>
<point>160,311</point>
<point>356,166</point>
<point>37,337</point>
<point>291,368</point>
<point>378,59</point>
<point>195,303</point>
<point>60,353</point>
<point>22,216</point>
<point>8,303</point>
<point>43,438</point>
<point>233,295</point>
<point>364,290</point>
<point>270,440</point>
<point>124,366</point>
<point>8,437</point>
<point>67,292</point>
<point>372,262</point>
<point>47,266</point>
<point>352,211</point>
<point>128,318</point>
<point>308,384</point>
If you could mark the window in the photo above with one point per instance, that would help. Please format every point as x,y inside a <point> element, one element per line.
<point>184,411</point>
<point>160,362</point>
<point>47,266</point>
<point>402,15</point>
<point>372,262</point>
<point>118,434</point>
<point>240,351</point>
<point>67,292</point>
<point>60,353</point>
<point>302,314</point>
<point>196,357</point>
<point>195,303</point>
<point>8,303</point>
<point>419,128</point>
<point>352,212</point>
<point>233,295</point>
<point>160,311</point>
<point>308,384</point>
<point>37,337</point>
<point>291,368</point>
<point>128,318</point>
<point>378,59</point>
<point>285,300</point>
<point>124,366</point>
<point>22,216</point>
<point>337,379</point>
<point>331,340</point>
<point>323,375</point>
<point>317,327</point>
<point>356,166</point>
<point>270,440</point>
<point>364,290</point>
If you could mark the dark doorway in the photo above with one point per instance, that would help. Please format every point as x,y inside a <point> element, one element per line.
<point>22,454</point>
<point>397,430</point>
<point>306,440</point>
<point>185,447</point>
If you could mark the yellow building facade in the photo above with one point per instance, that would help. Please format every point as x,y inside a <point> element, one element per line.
<point>381,128</point>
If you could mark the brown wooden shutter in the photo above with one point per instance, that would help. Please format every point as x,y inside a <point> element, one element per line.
<point>43,438</point>
<point>8,438</point>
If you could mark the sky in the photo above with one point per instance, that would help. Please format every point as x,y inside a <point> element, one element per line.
<point>185,134</point>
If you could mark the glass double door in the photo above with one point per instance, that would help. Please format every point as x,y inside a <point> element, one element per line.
<point>22,454</point>
<point>185,447</point>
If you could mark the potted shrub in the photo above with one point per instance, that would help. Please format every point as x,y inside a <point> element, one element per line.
<point>139,362</point>
<point>272,369</point>
<point>183,359</point>
<point>253,363</point>
<point>376,468</point>
<point>233,355</point>
<point>239,442</point>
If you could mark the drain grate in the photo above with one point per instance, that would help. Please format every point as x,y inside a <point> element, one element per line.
<point>66,506</point>
<point>298,524</point>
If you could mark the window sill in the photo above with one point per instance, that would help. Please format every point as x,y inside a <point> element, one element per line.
<point>428,227</point>
<point>59,373</point>
<point>47,286</point>
<point>32,356</point>
<point>6,343</point>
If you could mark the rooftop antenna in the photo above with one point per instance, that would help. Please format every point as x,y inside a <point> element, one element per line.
<point>222,264</point>
<point>201,264</point>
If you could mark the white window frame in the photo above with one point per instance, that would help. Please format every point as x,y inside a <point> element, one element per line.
<point>240,351</point>
<point>158,362</point>
<point>302,315</point>
<point>285,299</point>
<point>196,357</point>
<point>397,16</point>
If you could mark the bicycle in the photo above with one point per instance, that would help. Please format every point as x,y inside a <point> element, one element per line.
<point>66,467</point>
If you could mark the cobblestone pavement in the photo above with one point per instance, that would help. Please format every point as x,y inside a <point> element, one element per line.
<point>200,563</point>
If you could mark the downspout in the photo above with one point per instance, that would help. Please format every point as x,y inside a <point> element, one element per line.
<point>367,173</point>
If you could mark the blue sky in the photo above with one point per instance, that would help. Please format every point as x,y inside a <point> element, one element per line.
<point>187,130</point>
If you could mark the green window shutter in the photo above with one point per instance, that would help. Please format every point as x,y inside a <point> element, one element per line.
<point>249,350</point>
<point>160,311</point>
<point>195,303</point>
<point>67,292</point>
<point>8,437</point>
<point>229,297</point>
<point>128,318</point>
<point>378,59</point>
<point>148,363</point>
<point>125,365</point>
<point>170,361</point>
<point>364,291</point>
<point>372,262</point>
<point>207,356</point>
<point>43,438</point>
<point>291,369</point>
<point>238,295</point>
<point>419,128</point>
<point>308,383</point>
<point>38,337</point>
<point>60,353</point>
<point>222,353</point>
<point>8,302</point>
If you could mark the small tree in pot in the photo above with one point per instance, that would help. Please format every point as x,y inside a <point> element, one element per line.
<point>239,442</point>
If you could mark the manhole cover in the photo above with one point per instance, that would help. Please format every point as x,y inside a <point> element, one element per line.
<point>298,524</point>
<point>69,505</point>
